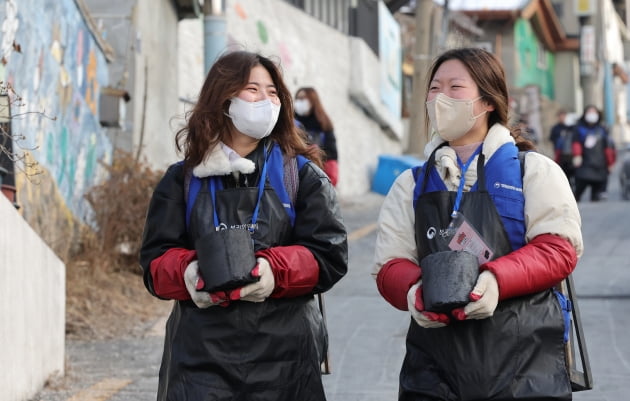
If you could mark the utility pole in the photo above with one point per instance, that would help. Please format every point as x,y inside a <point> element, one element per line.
<point>590,53</point>
<point>214,31</point>
<point>588,60</point>
<point>418,135</point>
<point>445,26</point>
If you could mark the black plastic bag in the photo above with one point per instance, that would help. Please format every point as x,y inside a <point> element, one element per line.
<point>448,277</point>
<point>226,259</point>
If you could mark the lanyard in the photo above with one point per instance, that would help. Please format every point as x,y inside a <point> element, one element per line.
<point>462,180</point>
<point>261,189</point>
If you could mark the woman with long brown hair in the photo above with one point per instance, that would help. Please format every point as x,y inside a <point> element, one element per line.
<point>504,223</point>
<point>312,116</point>
<point>242,234</point>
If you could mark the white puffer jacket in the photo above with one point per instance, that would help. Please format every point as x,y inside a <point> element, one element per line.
<point>550,207</point>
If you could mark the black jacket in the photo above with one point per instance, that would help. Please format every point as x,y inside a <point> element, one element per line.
<point>248,351</point>
<point>316,135</point>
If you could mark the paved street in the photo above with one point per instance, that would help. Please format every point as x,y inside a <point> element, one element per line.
<point>367,335</point>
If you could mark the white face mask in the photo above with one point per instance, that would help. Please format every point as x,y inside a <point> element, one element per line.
<point>302,107</point>
<point>254,119</point>
<point>591,117</point>
<point>452,118</point>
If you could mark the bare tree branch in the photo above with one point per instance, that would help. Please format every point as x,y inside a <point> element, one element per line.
<point>20,159</point>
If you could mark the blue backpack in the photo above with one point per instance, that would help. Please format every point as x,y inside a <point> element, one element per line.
<point>565,142</point>
<point>284,181</point>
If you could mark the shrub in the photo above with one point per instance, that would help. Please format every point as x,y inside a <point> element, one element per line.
<point>119,207</point>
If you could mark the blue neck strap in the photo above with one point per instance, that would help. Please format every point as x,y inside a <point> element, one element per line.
<point>462,180</point>
<point>261,190</point>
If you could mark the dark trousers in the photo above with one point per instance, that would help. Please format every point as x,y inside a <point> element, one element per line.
<point>566,163</point>
<point>598,188</point>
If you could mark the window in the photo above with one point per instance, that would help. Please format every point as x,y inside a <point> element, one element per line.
<point>333,13</point>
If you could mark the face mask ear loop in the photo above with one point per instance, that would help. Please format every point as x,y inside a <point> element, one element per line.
<point>480,114</point>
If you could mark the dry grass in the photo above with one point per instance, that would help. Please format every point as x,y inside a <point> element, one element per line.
<point>106,296</point>
<point>102,305</point>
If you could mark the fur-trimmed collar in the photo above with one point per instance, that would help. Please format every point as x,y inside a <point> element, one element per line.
<point>497,135</point>
<point>446,158</point>
<point>223,160</point>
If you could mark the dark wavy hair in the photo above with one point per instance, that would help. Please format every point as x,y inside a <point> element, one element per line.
<point>208,123</point>
<point>587,108</point>
<point>318,109</point>
<point>488,73</point>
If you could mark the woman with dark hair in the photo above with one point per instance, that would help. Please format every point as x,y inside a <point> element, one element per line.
<point>481,209</point>
<point>242,234</point>
<point>310,112</point>
<point>593,154</point>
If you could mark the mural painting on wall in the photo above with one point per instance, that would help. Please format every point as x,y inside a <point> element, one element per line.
<point>285,55</point>
<point>280,50</point>
<point>263,35</point>
<point>240,11</point>
<point>58,74</point>
<point>535,65</point>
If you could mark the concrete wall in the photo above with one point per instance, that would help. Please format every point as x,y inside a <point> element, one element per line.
<point>143,35</point>
<point>32,311</point>
<point>156,69</point>
<point>311,54</point>
<point>115,21</point>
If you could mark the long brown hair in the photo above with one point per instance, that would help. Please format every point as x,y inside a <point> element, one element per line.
<point>318,109</point>
<point>208,123</point>
<point>488,73</point>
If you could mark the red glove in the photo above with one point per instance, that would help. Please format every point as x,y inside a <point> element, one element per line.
<point>416,307</point>
<point>395,279</point>
<point>611,157</point>
<point>295,270</point>
<point>542,263</point>
<point>331,168</point>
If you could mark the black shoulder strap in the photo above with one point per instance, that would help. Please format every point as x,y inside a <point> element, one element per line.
<point>521,158</point>
<point>187,178</point>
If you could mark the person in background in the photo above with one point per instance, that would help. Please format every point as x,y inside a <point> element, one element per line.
<point>507,339</point>
<point>264,340</point>
<point>561,137</point>
<point>527,132</point>
<point>310,112</point>
<point>593,154</point>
